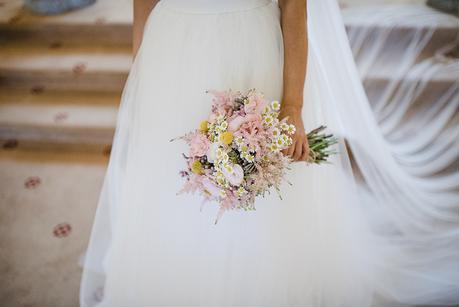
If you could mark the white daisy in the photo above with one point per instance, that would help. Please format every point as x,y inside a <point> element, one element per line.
<point>275,105</point>
<point>224,125</point>
<point>266,110</point>
<point>250,158</point>
<point>274,147</point>
<point>276,132</point>
<point>239,141</point>
<point>291,129</point>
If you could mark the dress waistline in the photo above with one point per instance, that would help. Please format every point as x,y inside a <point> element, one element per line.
<point>215,8</point>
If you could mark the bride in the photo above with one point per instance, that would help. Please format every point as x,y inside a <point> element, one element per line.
<point>331,241</point>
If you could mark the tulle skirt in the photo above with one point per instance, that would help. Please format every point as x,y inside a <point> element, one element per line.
<point>152,247</point>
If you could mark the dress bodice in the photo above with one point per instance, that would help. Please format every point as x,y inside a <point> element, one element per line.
<point>214,6</point>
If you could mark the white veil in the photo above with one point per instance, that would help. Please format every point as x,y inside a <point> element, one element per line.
<point>411,195</point>
<point>407,162</point>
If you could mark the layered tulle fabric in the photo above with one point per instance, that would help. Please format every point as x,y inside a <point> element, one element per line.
<point>402,53</point>
<point>328,242</point>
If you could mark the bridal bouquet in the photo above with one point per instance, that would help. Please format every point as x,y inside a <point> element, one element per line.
<point>236,154</point>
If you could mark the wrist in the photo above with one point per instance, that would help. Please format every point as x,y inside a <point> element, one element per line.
<point>285,107</point>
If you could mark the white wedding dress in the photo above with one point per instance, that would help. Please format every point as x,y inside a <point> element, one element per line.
<point>329,242</point>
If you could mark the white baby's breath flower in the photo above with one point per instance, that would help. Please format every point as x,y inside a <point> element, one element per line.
<point>275,105</point>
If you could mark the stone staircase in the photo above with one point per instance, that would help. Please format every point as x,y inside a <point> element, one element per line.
<point>61,76</point>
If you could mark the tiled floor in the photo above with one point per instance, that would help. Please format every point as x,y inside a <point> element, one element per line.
<point>46,209</point>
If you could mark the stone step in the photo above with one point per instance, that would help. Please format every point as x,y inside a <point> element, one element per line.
<point>70,69</point>
<point>81,123</point>
<point>21,97</point>
<point>103,23</point>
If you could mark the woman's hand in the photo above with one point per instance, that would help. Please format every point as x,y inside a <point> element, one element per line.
<point>299,150</point>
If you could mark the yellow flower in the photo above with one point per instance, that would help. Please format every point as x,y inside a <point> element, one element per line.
<point>226,138</point>
<point>203,126</point>
<point>196,167</point>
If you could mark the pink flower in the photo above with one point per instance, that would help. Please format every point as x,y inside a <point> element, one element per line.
<point>256,118</point>
<point>235,123</point>
<point>255,105</point>
<point>199,144</point>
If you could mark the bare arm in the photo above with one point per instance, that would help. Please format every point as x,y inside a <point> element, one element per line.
<point>142,9</point>
<point>293,22</point>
